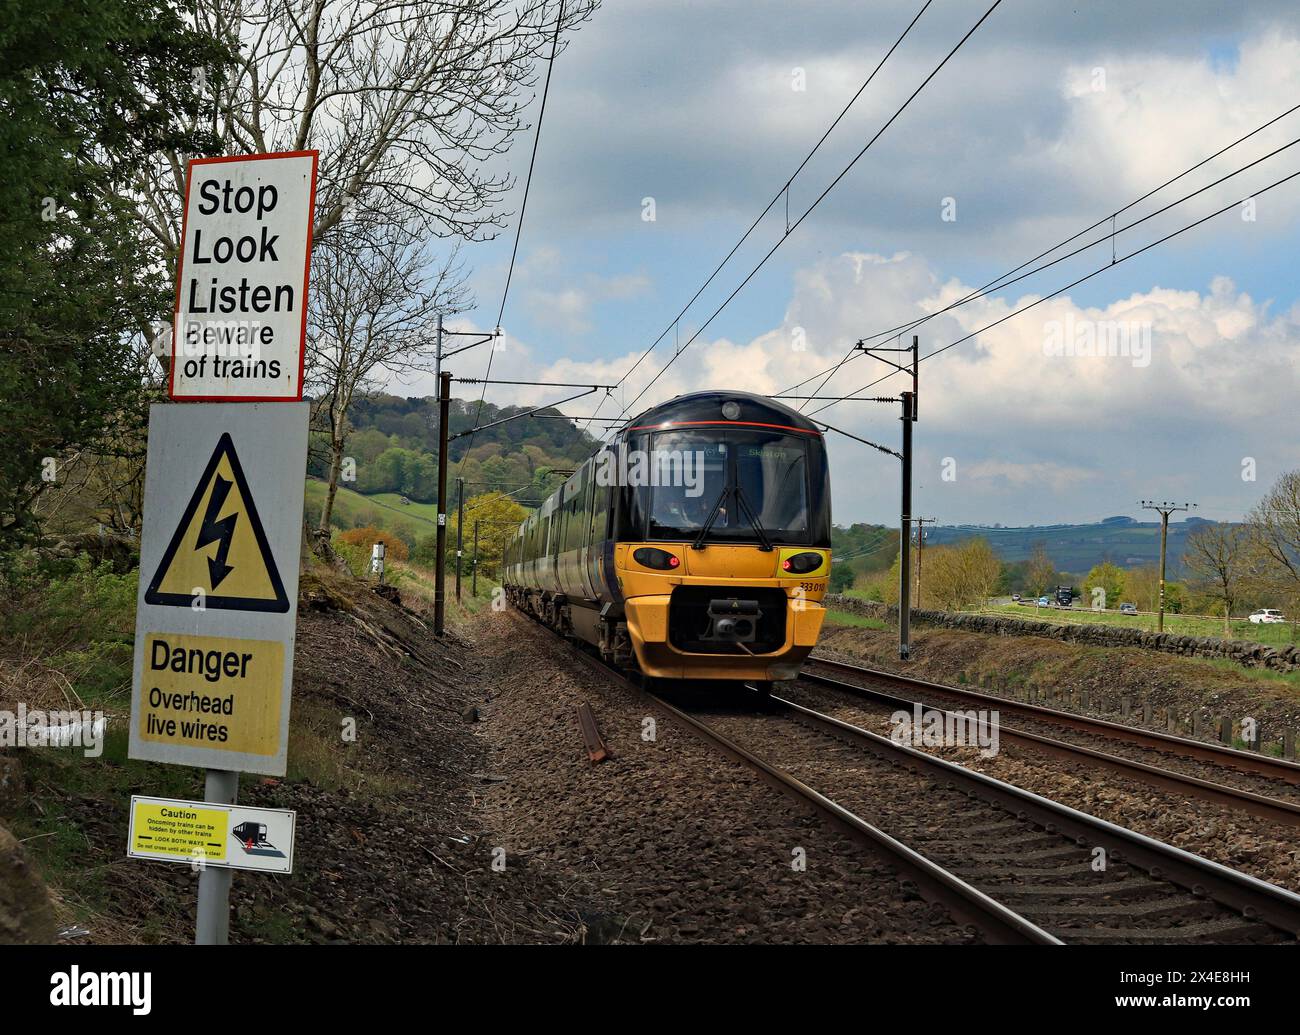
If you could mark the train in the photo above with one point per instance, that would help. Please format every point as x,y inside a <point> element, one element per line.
<point>695,545</point>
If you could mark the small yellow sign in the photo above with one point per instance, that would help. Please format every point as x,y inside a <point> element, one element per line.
<point>178,829</point>
<point>214,692</point>
<point>218,556</point>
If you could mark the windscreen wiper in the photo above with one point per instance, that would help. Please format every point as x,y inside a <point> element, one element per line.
<point>708,523</point>
<point>743,504</point>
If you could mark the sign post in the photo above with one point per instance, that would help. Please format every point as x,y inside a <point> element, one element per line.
<point>220,545</point>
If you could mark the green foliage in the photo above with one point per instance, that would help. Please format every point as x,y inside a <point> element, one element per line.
<point>842,577</point>
<point>78,623</point>
<point>91,91</point>
<point>1107,577</point>
<point>866,548</point>
<point>86,605</point>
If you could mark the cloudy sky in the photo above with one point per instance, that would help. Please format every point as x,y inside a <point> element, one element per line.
<point>1049,119</point>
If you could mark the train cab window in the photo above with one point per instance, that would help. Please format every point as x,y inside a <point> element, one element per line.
<point>773,473</point>
<point>727,480</point>
<point>689,473</point>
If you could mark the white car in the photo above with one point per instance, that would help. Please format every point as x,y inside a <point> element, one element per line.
<point>1267,616</point>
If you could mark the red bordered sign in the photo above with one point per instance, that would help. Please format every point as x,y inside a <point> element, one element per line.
<point>240,322</point>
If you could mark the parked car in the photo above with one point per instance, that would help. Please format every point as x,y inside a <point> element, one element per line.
<point>1128,609</point>
<point>1044,602</point>
<point>1015,598</point>
<point>1267,616</point>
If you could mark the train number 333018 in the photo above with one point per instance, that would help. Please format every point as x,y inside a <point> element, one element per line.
<point>813,587</point>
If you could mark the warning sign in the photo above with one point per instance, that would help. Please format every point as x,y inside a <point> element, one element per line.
<point>205,690</point>
<point>218,555</point>
<point>241,281</point>
<point>205,833</point>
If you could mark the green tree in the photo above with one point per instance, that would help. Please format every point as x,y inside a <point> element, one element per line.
<point>498,518</point>
<point>91,91</point>
<point>842,577</point>
<point>1108,578</point>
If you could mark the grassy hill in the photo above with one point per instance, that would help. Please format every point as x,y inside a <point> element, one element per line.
<point>352,510</point>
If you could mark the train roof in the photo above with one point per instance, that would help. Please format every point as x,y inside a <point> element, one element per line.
<point>707,408</point>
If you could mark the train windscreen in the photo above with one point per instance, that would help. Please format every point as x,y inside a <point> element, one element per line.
<point>730,481</point>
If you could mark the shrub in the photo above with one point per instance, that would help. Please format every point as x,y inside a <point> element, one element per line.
<point>366,536</point>
<point>88,604</point>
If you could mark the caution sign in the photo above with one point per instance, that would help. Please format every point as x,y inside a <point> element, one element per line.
<point>205,833</point>
<point>217,606</point>
<point>218,556</point>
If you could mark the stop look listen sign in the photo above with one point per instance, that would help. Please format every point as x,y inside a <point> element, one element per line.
<point>241,284</point>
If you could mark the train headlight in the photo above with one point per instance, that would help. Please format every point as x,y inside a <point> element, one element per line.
<point>731,410</point>
<point>802,563</point>
<point>660,560</point>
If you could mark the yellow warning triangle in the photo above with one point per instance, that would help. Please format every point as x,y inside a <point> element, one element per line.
<point>219,549</point>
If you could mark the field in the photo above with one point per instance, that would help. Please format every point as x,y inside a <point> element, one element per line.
<point>1183,625</point>
<point>351,510</point>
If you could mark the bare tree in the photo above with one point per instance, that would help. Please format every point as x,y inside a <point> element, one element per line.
<point>1041,571</point>
<point>1216,557</point>
<point>370,320</point>
<point>1275,540</point>
<point>408,102</point>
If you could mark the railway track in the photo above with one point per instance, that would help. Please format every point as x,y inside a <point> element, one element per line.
<point>1257,779</point>
<point>1020,867</point>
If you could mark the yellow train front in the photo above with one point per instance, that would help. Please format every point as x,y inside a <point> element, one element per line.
<point>696,545</point>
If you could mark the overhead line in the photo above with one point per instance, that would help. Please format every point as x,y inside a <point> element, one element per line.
<point>997,282</point>
<point>814,205</point>
<point>523,207</point>
<point>777,196</point>
<point>1080,280</point>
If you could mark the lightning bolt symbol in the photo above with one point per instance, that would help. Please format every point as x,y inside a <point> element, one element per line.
<point>220,532</point>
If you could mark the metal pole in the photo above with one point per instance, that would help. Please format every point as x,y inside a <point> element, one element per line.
<point>1164,531</point>
<point>460,521</point>
<point>439,584</point>
<point>437,355</point>
<point>905,538</point>
<point>212,924</point>
<point>474,584</point>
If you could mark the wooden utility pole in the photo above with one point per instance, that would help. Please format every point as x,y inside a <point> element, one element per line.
<point>460,521</point>
<point>474,583</point>
<point>440,553</point>
<point>920,550</point>
<point>1164,509</point>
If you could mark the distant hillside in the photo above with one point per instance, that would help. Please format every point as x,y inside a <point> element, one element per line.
<point>414,422</point>
<point>1077,548</point>
<point>865,548</point>
<point>394,443</point>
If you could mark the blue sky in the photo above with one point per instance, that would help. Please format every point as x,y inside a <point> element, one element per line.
<point>1048,119</point>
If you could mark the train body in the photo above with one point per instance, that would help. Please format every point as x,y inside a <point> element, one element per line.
<point>695,545</point>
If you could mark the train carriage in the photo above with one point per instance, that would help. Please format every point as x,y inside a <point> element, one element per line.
<point>695,545</point>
